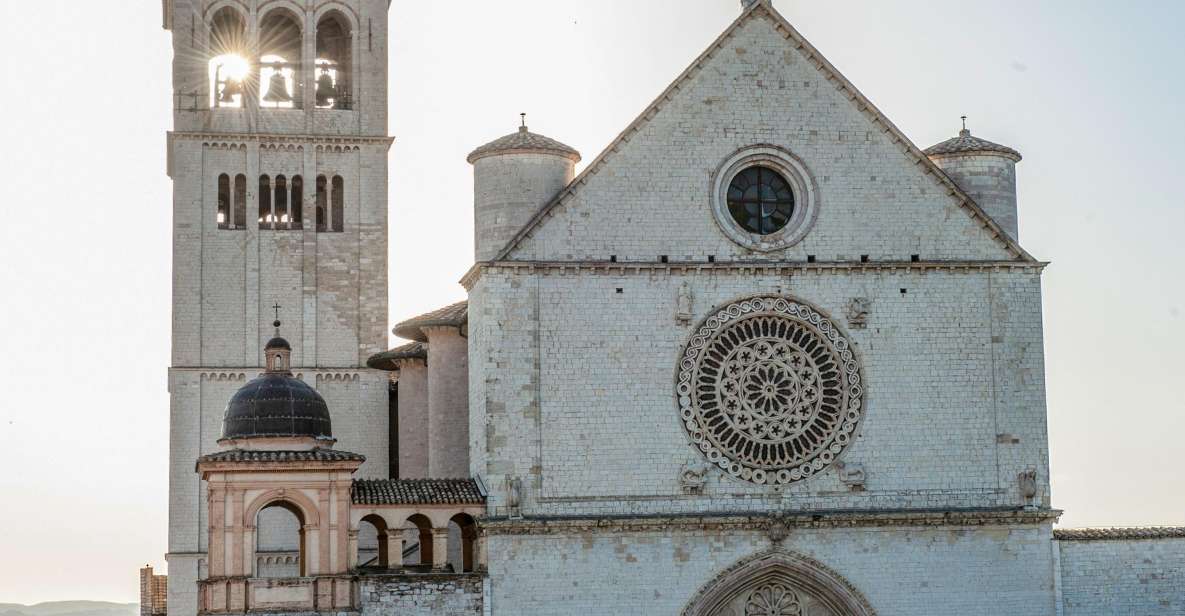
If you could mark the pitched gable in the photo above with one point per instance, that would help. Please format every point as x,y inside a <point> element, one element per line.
<point>649,192</point>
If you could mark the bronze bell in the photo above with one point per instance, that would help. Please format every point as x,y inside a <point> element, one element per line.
<point>230,89</point>
<point>277,89</point>
<point>326,89</point>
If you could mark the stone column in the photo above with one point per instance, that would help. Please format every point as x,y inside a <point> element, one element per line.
<point>448,403</point>
<point>394,548</point>
<point>352,563</point>
<point>439,548</point>
<point>479,552</point>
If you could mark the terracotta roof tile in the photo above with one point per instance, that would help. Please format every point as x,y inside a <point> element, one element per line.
<point>313,455</point>
<point>388,360</point>
<point>416,492</point>
<point>524,142</point>
<point>1118,534</point>
<point>452,316</point>
<point>966,144</point>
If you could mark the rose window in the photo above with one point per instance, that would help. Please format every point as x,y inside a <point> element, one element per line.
<point>770,390</point>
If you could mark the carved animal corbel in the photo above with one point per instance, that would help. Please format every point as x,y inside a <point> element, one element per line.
<point>514,496</point>
<point>1027,481</point>
<point>693,477</point>
<point>684,304</point>
<point>852,475</point>
<point>857,312</point>
<point>778,530</point>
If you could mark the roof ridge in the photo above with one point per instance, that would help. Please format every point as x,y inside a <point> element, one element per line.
<point>822,65</point>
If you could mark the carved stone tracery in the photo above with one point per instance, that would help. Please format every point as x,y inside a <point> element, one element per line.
<point>770,390</point>
<point>773,599</point>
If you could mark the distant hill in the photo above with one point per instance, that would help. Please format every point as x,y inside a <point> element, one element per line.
<point>70,608</point>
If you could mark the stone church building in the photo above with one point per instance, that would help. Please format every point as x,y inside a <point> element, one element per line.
<point>762,356</point>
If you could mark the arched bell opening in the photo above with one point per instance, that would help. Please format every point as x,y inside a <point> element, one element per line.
<point>373,544</point>
<point>334,62</point>
<point>779,584</point>
<point>279,61</point>
<point>228,65</point>
<point>280,546</point>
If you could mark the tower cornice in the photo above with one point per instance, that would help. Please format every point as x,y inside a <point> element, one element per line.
<point>275,138</point>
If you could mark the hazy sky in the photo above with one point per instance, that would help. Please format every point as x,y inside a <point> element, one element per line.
<point>1089,91</point>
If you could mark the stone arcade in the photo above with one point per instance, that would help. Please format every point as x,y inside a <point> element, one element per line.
<point>762,356</point>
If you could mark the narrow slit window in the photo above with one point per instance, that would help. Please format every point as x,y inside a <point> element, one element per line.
<point>322,203</point>
<point>223,201</point>
<point>339,203</point>
<point>281,202</point>
<point>296,212</point>
<point>265,202</point>
<point>240,221</point>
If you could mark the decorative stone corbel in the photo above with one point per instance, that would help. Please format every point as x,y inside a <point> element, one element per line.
<point>857,312</point>
<point>693,477</point>
<point>852,475</point>
<point>684,305</point>
<point>514,497</point>
<point>778,530</point>
<point>1027,482</point>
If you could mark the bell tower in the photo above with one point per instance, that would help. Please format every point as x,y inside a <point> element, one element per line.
<point>278,157</point>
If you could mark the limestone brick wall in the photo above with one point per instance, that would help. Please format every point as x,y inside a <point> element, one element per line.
<point>413,420</point>
<point>573,387</point>
<point>430,595</point>
<point>652,194</point>
<point>448,403</point>
<point>331,286</point>
<point>901,572</point>
<point>1123,577</point>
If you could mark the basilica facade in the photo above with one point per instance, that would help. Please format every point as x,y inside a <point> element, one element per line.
<point>762,356</point>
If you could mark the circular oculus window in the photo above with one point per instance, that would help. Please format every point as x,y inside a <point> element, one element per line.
<point>764,199</point>
<point>770,390</point>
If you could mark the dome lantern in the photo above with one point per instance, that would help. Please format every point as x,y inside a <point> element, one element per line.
<point>277,405</point>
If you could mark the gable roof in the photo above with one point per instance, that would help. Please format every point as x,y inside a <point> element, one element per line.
<point>756,9</point>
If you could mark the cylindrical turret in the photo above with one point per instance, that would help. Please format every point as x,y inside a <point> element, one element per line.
<point>513,178</point>
<point>448,403</point>
<point>984,170</point>
<point>409,367</point>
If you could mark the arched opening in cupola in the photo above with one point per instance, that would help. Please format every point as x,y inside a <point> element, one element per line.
<point>280,541</point>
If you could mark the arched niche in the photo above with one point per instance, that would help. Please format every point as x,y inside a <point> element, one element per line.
<point>779,584</point>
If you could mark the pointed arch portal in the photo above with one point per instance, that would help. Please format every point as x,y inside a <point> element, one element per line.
<point>779,584</point>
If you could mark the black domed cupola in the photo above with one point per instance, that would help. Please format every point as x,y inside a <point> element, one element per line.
<point>277,404</point>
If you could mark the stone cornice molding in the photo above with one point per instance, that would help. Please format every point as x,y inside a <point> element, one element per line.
<point>743,267</point>
<point>772,523</point>
<point>238,139</point>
